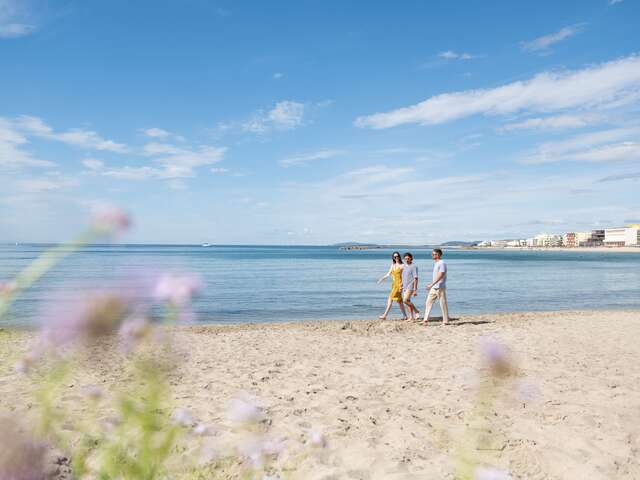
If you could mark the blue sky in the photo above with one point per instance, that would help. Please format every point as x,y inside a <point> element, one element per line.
<point>309,122</point>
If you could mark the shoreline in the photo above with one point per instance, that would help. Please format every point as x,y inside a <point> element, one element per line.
<point>315,323</point>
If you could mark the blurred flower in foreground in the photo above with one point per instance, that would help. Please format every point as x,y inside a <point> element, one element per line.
<point>487,473</point>
<point>317,438</point>
<point>177,289</point>
<point>7,287</point>
<point>245,409</point>
<point>133,331</point>
<point>93,392</point>
<point>99,314</point>
<point>21,457</point>
<point>109,220</point>
<point>496,356</point>
<point>182,417</point>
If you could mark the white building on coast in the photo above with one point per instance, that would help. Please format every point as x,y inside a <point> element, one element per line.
<point>622,236</point>
<point>545,240</point>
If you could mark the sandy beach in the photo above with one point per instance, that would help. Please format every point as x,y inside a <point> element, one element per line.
<point>393,399</point>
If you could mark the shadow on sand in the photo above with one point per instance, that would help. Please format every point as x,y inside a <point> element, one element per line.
<point>456,322</point>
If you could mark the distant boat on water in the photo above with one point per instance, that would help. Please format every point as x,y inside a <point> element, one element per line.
<point>206,245</point>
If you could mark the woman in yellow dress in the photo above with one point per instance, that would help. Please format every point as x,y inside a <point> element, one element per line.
<point>395,272</point>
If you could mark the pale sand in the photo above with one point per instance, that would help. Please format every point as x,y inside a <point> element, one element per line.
<point>393,398</point>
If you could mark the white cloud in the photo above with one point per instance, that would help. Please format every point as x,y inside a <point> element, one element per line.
<point>219,170</point>
<point>93,164</point>
<point>132,173</point>
<point>77,136</point>
<point>90,140</point>
<point>310,157</point>
<point>12,154</point>
<point>13,14</point>
<point>285,115</point>
<point>40,185</point>
<point>594,86</point>
<point>542,45</point>
<point>155,148</point>
<point>171,162</point>
<point>155,132</point>
<point>16,30</point>
<point>451,55</point>
<point>601,146</point>
<point>557,122</point>
<point>617,152</point>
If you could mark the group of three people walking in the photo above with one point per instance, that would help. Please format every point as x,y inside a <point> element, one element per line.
<point>404,286</point>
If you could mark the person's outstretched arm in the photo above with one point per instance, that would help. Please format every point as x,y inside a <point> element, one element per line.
<point>386,275</point>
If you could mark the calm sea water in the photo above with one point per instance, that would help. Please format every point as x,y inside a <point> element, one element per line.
<point>269,284</point>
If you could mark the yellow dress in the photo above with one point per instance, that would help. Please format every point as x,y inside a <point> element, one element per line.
<point>396,282</point>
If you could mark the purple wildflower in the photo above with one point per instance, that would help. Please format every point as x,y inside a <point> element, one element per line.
<point>245,409</point>
<point>98,314</point>
<point>490,473</point>
<point>496,355</point>
<point>182,417</point>
<point>177,289</point>
<point>109,220</point>
<point>203,430</point>
<point>93,392</point>
<point>133,331</point>
<point>7,288</point>
<point>21,456</point>
<point>317,438</point>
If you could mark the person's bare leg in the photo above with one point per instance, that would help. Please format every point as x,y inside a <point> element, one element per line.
<point>386,310</point>
<point>401,305</point>
<point>413,311</point>
<point>443,306</point>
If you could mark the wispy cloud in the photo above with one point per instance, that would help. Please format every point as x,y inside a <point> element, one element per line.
<point>16,30</point>
<point>557,122</point>
<point>613,2</point>
<point>133,173</point>
<point>542,45</point>
<point>77,136</point>
<point>13,156</point>
<point>45,184</point>
<point>310,157</point>
<point>155,132</point>
<point>451,55</point>
<point>278,75</point>
<point>170,162</point>
<point>285,115</point>
<point>598,85</point>
<point>614,145</point>
<point>12,20</point>
<point>161,134</point>
<point>93,164</point>
<point>620,177</point>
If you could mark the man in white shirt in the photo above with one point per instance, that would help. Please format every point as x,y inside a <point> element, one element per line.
<point>437,289</point>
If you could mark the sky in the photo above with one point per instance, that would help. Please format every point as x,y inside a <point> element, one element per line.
<point>315,122</point>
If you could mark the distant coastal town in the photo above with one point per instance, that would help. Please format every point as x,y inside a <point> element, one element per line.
<point>617,237</point>
<point>627,236</point>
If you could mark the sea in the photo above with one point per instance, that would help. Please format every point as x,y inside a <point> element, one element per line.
<point>261,284</point>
